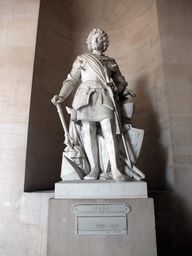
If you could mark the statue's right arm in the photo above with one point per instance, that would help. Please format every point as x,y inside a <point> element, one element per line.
<point>69,84</point>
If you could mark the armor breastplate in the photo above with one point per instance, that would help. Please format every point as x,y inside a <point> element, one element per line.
<point>87,73</point>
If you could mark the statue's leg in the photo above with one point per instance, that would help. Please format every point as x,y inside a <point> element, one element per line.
<point>108,128</point>
<point>91,149</point>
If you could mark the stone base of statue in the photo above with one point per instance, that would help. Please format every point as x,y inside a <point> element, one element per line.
<point>101,218</point>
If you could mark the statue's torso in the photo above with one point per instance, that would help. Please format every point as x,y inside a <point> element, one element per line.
<point>91,84</point>
<point>87,73</point>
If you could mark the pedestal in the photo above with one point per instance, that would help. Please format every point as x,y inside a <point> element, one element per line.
<point>98,226</point>
<point>100,189</point>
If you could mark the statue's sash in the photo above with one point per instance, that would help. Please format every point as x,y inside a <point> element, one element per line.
<point>97,67</point>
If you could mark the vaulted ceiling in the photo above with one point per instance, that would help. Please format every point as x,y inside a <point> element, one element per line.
<point>110,14</point>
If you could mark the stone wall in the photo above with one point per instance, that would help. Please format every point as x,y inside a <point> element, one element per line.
<point>23,217</point>
<point>175,25</point>
<point>150,40</point>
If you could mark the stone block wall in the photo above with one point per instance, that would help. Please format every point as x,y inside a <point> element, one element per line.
<point>151,41</point>
<point>175,26</point>
<point>23,217</point>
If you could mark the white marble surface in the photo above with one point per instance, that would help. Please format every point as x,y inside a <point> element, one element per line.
<point>100,189</point>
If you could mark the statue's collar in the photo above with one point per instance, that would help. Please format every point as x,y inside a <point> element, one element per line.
<point>102,57</point>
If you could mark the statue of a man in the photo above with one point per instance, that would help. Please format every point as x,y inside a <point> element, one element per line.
<point>94,103</point>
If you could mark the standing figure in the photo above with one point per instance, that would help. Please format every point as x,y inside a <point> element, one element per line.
<point>94,104</point>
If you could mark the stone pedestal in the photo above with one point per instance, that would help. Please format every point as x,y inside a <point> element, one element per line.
<point>96,226</point>
<point>100,189</point>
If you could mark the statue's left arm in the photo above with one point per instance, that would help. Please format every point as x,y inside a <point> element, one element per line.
<point>119,80</point>
<point>117,77</point>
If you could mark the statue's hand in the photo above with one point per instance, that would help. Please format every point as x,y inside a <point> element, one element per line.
<point>57,99</point>
<point>127,92</point>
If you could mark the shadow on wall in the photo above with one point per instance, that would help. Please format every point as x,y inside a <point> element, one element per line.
<point>181,226</point>
<point>153,157</point>
<point>173,224</point>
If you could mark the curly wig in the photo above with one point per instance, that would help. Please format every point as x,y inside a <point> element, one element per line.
<point>102,34</point>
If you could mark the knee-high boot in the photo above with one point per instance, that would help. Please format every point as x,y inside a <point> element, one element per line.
<point>91,149</point>
<point>108,128</point>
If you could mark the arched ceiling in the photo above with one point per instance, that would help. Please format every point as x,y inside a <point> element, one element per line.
<point>110,14</point>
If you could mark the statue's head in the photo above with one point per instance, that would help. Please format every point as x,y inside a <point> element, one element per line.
<point>97,40</point>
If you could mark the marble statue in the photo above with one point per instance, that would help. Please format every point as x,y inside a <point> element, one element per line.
<point>101,144</point>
